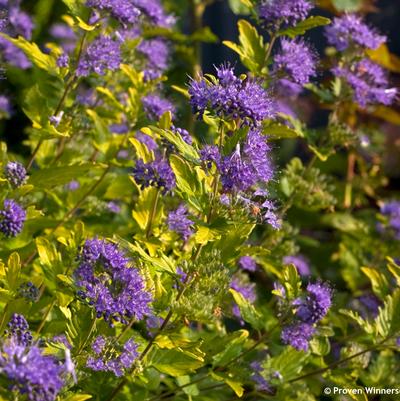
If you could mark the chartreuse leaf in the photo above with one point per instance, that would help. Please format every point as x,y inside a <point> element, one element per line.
<point>394,268</point>
<point>291,281</point>
<point>77,397</point>
<point>51,177</point>
<point>276,131</point>
<point>34,54</point>
<point>174,362</point>
<point>247,310</point>
<point>236,386</point>
<point>241,7</point>
<point>380,285</point>
<point>288,363</point>
<point>232,349</point>
<point>302,27</point>
<point>13,271</point>
<point>252,49</point>
<point>387,321</point>
<point>382,56</point>
<point>143,208</point>
<point>364,324</point>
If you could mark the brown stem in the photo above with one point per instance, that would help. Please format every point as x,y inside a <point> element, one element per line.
<point>43,322</point>
<point>351,163</point>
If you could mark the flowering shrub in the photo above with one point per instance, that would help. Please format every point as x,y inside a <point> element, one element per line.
<point>169,234</point>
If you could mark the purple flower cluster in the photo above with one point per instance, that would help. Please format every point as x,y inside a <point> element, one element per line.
<point>157,174</point>
<point>12,218</point>
<point>103,54</point>
<point>210,155</point>
<point>124,11</point>
<point>244,168</point>
<point>157,53</point>
<point>65,35</point>
<point>30,372</point>
<point>351,30</point>
<point>155,106</point>
<point>18,329</point>
<point>29,291</point>
<point>260,382</point>
<point>275,13</point>
<point>155,13</point>
<point>111,357</point>
<point>15,173</point>
<point>309,311</point>
<point>183,133</point>
<point>368,81</point>
<point>231,97</point>
<point>19,24</point>
<point>179,222</point>
<point>392,211</point>
<point>115,290</point>
<point>316,304</point>
<point>248,263</point>
<point>300,262</point>
<point>295,63</point>
<point>298,335</point>
<point>147,140</point>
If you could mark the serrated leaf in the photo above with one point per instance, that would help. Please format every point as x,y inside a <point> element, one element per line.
<point>380,285</point>
<point>387,321</point>
<point>302,27</point>
<point>247,310</point>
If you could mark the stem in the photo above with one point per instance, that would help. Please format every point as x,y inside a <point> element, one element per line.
<point>153,213</point>
<point>91,329</point>
<point>43,322</point>
<point>351,162</point>
<point>270,46</point>
<point>3,317</point>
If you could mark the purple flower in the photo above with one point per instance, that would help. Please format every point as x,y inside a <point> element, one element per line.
<point>110,356</point>
<point>300,262</point>
<point>103,54</point>
<point>243,169</point>
<point>12,218</point>
<point>261,383</point>
<point>125,11</point>
<point>178,221</point>
<point>156,174</point>
<point>115,290</point>
<point>392,211</point>
<point>298,335</point>
<point>113,207</point>
<point>157,53</point>
<point>29,372</point>
<point>122,128</point>
<point>350,29</point>
<point>296,62</point>
<point>155,13</point>
<point>371,303</point>
<point>65,35</point>
<point>5,106</point>
<point>18,329</point>
<point>20,22</point>
<point>368,81</point>
<point>155,106</point>
<point>316,303</point>
<point>15,173</point>
<point>73,185</point>
<point>243,286</point>
<point>146,140</point>
<point>183,133</point>
<point>248,263</point>
<point>29,291</point>
<point>230,97</point>
<point>209,155</point>
<point>63,61</point>
<point>274,13</point>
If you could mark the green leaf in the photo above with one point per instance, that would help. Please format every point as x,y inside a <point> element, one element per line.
<point>241,7</point>
<point>347,5</point>
<point>247,310</point>
<point>364,324</point>
<point>142,212</point>
<point>252,49</point>
<point>77,397</point>
<point>291,281</point>
<point>302,27</point>
<point>288,363</point>
<point>233,349</point>
<point>276,131</point>
<point>173,362</point>
<point>380,285</point>
<point>13,271</point>
<point>387,321</point>
<point>34,54</point>
<point>101,130</point>
<point>51,177</point>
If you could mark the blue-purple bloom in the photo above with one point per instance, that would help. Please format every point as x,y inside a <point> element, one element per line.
<point>183,133</point>
<point>5,106</point>
<point>274,13</point>
<point>12,218</point>
<point>103,54</point>
<point>261,383</point>
<point>110,356</point>
<point>248,263</point>
<point>29,372</point>
<point>295,64</point>
<point>116,291</point>
<point>300,262</point>
<point>15,173</point>
<point>125,11</point>
<point>154,13</point>
<point>29,291</point>
<point>156,174</point>
<point>298,335</point>
<point>155,106</point>
<point>350,30</point>
<point>179,222</point>
<point>231,97</point>
<point>63,61</point>
<point>65,35</point>
<point>157,53</point>
<point>147,140</point>
<point>18,329</point>
<point>316,304</point>
<point>392,211</point>
<point>210,155</point>
<point>368,81</point>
